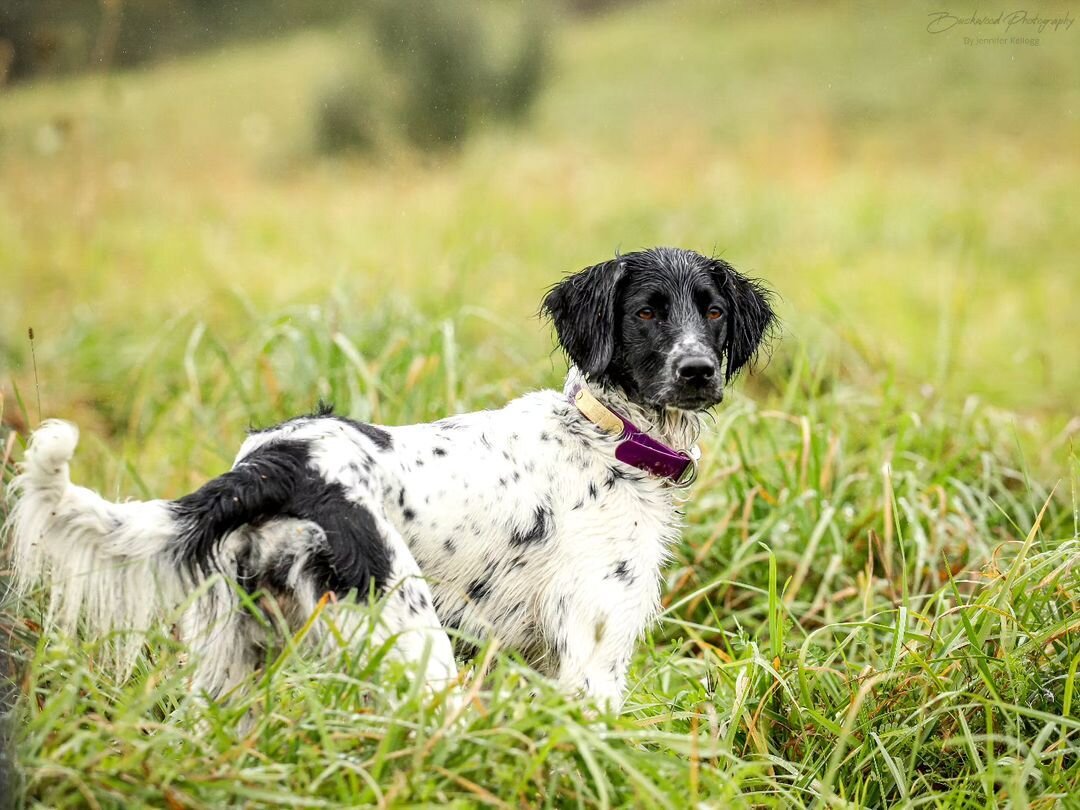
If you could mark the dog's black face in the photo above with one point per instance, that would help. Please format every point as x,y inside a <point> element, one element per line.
<point>670,327</point>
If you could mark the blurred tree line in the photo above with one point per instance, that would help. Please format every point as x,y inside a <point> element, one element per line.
<point>50,37</point>
<point>422,72</point>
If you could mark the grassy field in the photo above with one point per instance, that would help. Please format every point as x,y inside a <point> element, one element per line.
<point>875,602</point>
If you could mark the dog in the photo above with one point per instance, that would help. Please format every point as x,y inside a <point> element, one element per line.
<point>544,524</point>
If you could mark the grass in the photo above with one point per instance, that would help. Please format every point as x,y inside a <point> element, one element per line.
<point>875,599</point>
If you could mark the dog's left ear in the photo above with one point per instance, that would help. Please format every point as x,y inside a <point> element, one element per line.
<point>750,309</point>
<point>582,307</point>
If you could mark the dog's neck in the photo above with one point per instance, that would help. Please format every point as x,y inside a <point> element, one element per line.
<point>676,428</point>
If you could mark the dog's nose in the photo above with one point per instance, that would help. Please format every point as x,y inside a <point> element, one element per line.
<point>696,369</point>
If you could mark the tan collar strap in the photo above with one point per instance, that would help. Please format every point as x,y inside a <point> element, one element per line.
<point>597,412</point>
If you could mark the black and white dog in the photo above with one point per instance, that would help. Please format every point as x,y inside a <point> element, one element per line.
<point>544,524</point>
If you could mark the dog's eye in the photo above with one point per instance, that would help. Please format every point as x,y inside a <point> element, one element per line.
<point>646,313</point>
<point>714,313</point>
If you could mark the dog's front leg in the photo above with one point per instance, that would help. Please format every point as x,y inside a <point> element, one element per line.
<point>592,644</point>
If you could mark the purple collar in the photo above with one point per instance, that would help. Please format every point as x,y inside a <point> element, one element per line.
<point>636,447</point>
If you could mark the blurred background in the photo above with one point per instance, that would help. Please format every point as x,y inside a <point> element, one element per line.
<point>214,213</point>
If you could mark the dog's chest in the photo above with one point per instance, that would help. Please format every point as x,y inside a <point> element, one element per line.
<point>507,513</point>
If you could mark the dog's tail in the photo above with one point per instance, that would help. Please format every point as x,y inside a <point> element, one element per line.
<point>100,560</point>
<point>121,566</point>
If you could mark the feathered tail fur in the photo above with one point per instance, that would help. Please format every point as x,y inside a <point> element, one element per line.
<point>110,563</point>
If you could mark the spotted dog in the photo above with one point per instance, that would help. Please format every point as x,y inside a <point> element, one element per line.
<point>545,523</point>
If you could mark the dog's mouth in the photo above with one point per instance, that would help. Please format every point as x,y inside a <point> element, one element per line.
<point>687,399</point>
<point>697,403</point>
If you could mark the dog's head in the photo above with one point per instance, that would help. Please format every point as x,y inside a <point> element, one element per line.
<point>670,327</point>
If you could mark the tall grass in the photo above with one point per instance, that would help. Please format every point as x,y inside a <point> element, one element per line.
<point>874,602</point>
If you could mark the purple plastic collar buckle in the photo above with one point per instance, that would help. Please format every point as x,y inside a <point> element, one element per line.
<point>636,447</point>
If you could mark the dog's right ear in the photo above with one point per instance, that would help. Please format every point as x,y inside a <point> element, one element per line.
<point>582,307</point>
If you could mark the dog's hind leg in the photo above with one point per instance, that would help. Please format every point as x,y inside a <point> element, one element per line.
<point>407,619</point>
<point>298,561</point>
<point>226,643</point>
<point>409,614</point>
